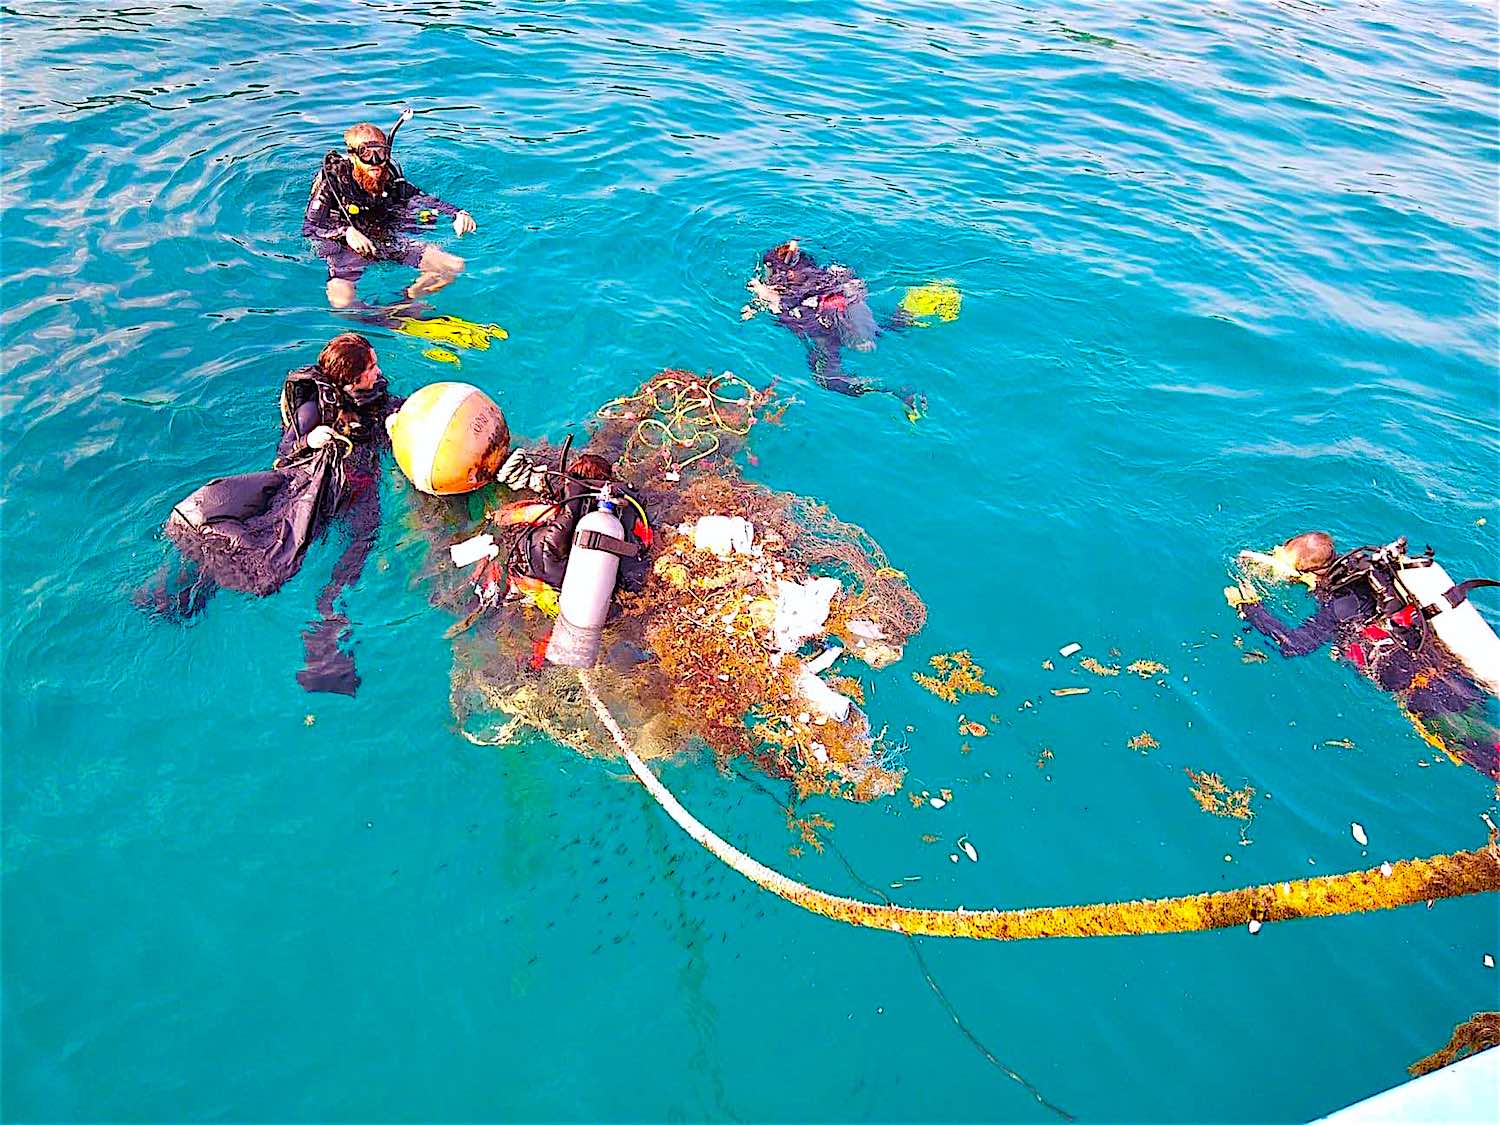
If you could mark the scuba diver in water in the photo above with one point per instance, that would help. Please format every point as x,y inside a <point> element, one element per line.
<point>827,308</point>
<point>250,532</point>
<point>544,528</point>
<point>1401,622</point>
<point>363,209</point>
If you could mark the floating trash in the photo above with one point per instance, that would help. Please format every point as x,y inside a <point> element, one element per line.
<point>1070,649</point>
<point>1357,830</point>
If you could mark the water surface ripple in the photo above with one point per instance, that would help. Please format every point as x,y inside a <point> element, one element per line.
<point>1229,271</point>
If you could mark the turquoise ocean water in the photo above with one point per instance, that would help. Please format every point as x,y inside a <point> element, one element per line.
<point>1229,271</point>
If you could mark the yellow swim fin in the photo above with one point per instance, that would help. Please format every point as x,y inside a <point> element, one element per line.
<point>941,299</point>
<point>452,330</point>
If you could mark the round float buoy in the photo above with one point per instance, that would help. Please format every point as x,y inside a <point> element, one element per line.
<point>449,438</point>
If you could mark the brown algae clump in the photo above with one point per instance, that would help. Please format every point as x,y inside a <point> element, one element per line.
<point>957,673</point>
<point>1213,796</point>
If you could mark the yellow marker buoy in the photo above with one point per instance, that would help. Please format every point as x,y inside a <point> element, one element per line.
<point>449,438</point>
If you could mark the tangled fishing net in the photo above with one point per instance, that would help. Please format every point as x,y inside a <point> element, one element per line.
<point>714,648</point>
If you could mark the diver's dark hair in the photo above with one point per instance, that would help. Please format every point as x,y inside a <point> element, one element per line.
<point>344,358</point>
<point>590,466</point>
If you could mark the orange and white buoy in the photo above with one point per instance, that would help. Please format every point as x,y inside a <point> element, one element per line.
<point>449,438</point>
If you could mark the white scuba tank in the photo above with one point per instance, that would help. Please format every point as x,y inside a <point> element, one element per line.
<point>587,586</point>
<point>1462,630</point>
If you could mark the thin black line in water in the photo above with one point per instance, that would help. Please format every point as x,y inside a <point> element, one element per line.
<point>789,807</point>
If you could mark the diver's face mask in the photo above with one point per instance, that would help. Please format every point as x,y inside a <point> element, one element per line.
<point>372,154</point>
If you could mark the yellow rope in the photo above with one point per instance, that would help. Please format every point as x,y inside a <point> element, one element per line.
<point>684,412</point>
<point>1380,888</point>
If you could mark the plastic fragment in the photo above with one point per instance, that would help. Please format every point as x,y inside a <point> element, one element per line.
<point>936,802</point>
<point>968,849</point>
<point>1386,869</point>
<point>723,535</point>
<point>1489,961</point>
<point>1069,650</point>
<point>472,550</point>
<point>1070,691</point>
<point>953,857</point>
<point>1357,830</point>
<point>1254,926</point>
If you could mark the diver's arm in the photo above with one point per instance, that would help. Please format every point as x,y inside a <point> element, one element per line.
<point>324,219</point>
<point>1297,640</point>
<point>415,201</point>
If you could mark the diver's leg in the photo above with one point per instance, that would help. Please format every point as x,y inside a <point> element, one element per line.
<point>341,293</point>
<point>344,270</point>
<point>823,359</point>
<point>327,667</point>
<point>897,320</point>
<point>438,268</point>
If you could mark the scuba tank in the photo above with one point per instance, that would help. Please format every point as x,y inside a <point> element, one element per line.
<point>588,584</point>
<point>1446,606</point>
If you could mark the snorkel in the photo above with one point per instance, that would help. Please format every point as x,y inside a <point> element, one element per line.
<point>390,136</point>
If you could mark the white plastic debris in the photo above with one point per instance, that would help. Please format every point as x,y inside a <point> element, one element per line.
<point>801,609</point>
<point>824,660</point>
<point>825,701</point>
<point>723,535</point>
<point>1386,869</point>
<point>1357,830</point>
<point>953,857</point>
<point>1489,961</point>
<point>470,551</point>
<point>1069,650</point>
<point>1254,926</point>
<point>968,849</point>
<point>937,802</point>
<point>869,630</point>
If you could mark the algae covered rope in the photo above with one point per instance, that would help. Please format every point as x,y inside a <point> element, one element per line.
<point>1382,888</point>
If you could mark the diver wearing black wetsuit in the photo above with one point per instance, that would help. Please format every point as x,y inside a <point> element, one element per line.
<point>251,532</point>
<point>828,309</point>
<point>362,209</point>
<point>1394,649</point>
<point>541,550</point>
<point>385,217</point>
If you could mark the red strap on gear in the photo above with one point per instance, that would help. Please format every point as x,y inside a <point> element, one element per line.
<point>1406,618</point>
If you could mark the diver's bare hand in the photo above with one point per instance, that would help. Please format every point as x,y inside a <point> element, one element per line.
<point>359,243</point>
<point>463,223</point>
